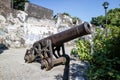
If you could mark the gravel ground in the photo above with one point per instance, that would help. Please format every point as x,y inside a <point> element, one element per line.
<point>13,67</point>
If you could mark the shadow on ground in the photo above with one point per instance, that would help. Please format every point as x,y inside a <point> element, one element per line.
<point>76,70</point>
<point>2,48</point>
<point>65,75</point>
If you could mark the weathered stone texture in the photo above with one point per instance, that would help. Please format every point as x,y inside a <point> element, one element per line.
<point>7,3</point>
<point>5,7</point>
<point>32,10</point>
<point>38,11</point>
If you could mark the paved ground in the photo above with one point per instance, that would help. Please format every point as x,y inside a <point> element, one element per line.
<point>12,67</point>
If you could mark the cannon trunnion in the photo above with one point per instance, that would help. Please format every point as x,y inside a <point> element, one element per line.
<point>50,50</point>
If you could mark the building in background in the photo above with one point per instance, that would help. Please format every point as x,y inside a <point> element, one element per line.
<point>33,10</point>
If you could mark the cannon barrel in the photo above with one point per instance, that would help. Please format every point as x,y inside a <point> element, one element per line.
<point>48,49</point>
<point>67,35</point>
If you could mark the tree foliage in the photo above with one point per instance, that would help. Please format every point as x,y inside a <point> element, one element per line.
<point>105,61</point>
<point>19,4</point>
<point>113,18</point>
<point>82,50</point>
<point>75,19</point>
<point>100,20</point>
<point>67,14</point>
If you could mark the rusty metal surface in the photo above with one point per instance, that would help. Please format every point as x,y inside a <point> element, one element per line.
<point>48,49</point>
<point>65,36</point>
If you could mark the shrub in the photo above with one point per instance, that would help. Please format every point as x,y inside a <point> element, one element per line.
<point>82,50</point>
<point>105,61</point>
<point>106,58</point>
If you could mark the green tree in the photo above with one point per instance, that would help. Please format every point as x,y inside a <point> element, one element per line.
<point>19,4</point>
<point>100,20</point>
<point>67,14</point>
<point>105,60</point>
<point>75,19</point>
<point>113,18</point>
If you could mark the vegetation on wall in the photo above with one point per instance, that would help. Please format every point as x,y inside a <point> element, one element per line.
<point>19,4</point>
<point>74,19</point>
<point>67,14</point>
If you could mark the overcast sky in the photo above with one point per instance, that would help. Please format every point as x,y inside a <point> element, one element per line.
<point>84,9</point>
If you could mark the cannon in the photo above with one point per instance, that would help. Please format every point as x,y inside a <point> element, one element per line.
<point>50,50</point>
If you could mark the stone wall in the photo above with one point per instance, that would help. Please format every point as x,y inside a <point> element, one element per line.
<point>5,7</point>
<point>31,9</point>
<point>7,3</point>
<point>23,31</point>
<point>38,11</point>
